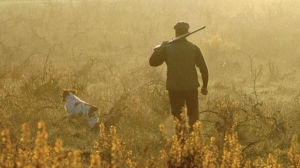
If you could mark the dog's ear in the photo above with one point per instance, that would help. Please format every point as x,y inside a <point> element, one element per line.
<point>67,91</point>
<point>73,91</point>
<point>64,92</point>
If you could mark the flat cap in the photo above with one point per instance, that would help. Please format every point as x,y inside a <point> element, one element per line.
<point>182,25</point>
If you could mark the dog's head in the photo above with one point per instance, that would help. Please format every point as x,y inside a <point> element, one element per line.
<point>66,93</point>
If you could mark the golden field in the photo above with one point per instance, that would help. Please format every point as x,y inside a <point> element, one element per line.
<point>101,48</point>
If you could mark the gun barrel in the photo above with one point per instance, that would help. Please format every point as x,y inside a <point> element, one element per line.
<point>180,37</point>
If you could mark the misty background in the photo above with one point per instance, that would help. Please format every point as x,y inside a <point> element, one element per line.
<point>102,47</point>
<point>267,29</point>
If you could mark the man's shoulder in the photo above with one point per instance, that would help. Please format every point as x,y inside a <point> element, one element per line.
<point>185,43</point>
<point>193,44</point>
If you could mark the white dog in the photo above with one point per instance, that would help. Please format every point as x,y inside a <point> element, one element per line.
<point>75,106</point>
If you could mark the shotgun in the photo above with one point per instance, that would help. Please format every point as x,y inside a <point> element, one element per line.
<point>180,37</point>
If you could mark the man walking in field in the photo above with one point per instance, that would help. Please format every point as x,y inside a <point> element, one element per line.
<point>181,58</point>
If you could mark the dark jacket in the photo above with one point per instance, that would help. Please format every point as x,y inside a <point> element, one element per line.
<point>181,58</point>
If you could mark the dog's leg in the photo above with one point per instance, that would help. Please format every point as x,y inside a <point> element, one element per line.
<point>72,118</point>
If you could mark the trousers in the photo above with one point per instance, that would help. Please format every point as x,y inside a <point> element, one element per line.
<point>188,98</point>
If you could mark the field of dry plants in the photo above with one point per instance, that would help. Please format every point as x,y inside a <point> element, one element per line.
<point>250,118</point>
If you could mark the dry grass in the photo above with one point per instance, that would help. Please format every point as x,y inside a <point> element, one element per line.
<point>249,119</point>
<point>182,150</point>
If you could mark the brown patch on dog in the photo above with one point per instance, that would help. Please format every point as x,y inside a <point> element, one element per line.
<point>73,91</point>
<point>92,110</point>
<point>76,104</point>
<point>66,92</point>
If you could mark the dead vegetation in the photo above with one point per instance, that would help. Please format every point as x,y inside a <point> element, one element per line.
<point>101,48</point>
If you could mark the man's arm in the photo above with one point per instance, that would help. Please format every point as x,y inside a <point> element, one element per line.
<point>200,62</point>
<point>159,56</point>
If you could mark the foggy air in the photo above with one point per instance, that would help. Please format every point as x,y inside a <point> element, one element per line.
<point>81,83</point>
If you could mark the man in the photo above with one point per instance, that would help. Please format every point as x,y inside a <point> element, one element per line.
<point>181,58</point>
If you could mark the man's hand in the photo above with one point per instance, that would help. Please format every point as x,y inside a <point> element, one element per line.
<point>163,45</point>
<point>204,91</point>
